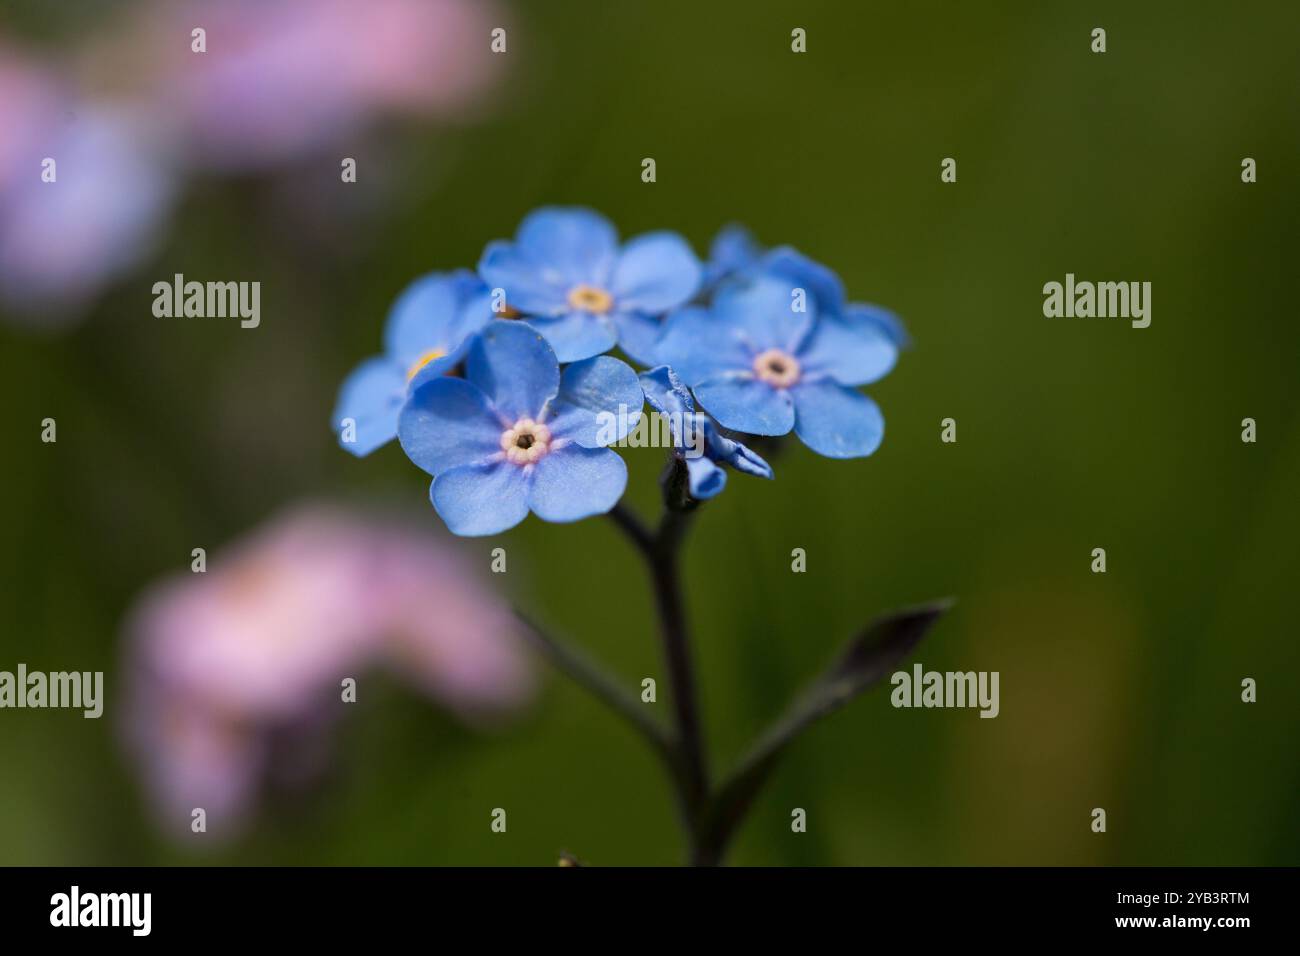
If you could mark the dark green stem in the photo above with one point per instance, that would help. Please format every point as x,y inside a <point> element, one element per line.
<point>661,551</point>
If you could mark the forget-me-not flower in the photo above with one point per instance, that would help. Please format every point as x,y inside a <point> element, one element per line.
<point>567,273</point>
<point>427,333</point>
<point>734,250</point>
<point>515,435</point>
<point>760,366</point>
<point>701,444</point>
<point>736,254</point>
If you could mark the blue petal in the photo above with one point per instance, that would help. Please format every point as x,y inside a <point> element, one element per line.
<point>691,434</point>
<point>655,272</point>
<point>665,392</point>
<point>819,281</point>
<point>745,404</point>
<point>448,422</point>
<point>638,335</point>
<point>481,499</point>
<point>700,344</point>
<point>850,348</point>
<point>723,449</point>
<point>515,368</point>
<point>670,398</point>
<point>528,286</point>
<point>439,366</point>
<point>706,478</point>
<point>599,402</point>
<point>575,335</point>
<point>745,459</point>
<point>733,250</point>
<point>577,245</point>
<point>430,314</point>
<point>483,304</point>
<point>763,314</point>
<point>837,421</point>
<point>575,482</point>
<point>704,446</point>
<point>890,324</point>
<point>371,396</point>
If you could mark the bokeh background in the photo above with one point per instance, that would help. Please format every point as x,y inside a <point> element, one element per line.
<point>1119,690</point>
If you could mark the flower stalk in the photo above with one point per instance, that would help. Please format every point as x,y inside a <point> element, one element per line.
<point>661,551</point>
<point>712,815</point>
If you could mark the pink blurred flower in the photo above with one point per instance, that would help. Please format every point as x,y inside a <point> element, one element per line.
<point>282,79</point>
<point>61,241</point>
<point>138,111</point>
<point>27,98</point>
<point>229,665</point>
<point>193,757</point>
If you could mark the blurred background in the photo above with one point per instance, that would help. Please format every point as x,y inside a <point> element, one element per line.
<point>1119,691</point>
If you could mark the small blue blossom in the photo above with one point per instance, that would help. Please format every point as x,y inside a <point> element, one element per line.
<point>701,444</point>
<point>427,333</point>
<point>736,254</point>
<point>515,435</point>
<point>734,250</point>
<point>760,366</point>
<point>566,272</point>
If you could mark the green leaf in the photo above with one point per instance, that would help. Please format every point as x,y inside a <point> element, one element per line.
<point>869,657</point>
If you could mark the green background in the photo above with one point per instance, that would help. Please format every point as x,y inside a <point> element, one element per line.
<point>1119,690</point>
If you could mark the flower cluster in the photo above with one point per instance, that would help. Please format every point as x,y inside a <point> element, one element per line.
<point>496,382</point>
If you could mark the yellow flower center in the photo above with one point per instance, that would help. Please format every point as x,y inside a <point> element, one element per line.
<point>424,360</point>
<point>779,369</point>
<point>588,298</point>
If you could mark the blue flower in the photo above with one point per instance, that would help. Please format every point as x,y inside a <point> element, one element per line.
<point>734,250</point>
<point>761,367</point>
<point>701,444</point>
<point>566,272</point>
<point>736,254</point>
<point>515,435</point>
<point>427,333</point>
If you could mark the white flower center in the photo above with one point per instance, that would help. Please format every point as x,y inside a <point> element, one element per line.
<point>779,369</point>
<point>526,441</point>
